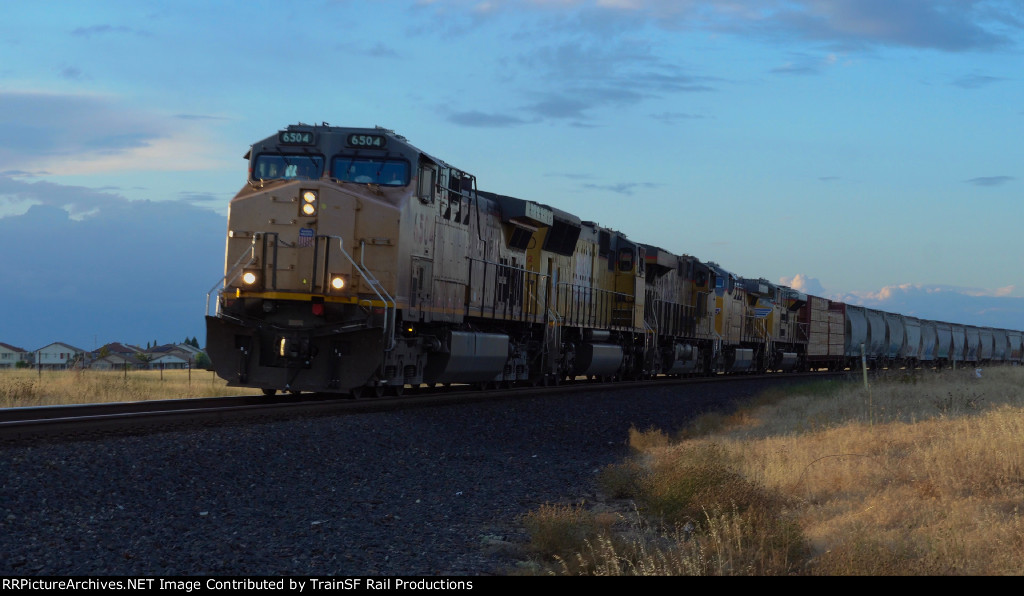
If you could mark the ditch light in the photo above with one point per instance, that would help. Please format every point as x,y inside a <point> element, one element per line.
<point>309,203</point>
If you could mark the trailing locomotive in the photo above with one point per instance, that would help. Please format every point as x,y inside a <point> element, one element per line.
<point>356,262</point>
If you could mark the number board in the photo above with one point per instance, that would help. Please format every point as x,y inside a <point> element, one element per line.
<point>370,141</point>
<point>293,137</point>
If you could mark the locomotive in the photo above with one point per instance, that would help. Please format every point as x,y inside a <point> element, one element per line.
<point>356,263</point>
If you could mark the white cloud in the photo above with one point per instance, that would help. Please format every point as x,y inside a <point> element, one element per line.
<point>803,283</point>
<point>49,134</point>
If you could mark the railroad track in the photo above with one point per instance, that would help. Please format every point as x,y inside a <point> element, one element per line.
<point>85,421</point>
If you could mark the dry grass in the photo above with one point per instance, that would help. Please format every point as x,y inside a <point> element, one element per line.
<point>920,474</point>
<point>24,387</point>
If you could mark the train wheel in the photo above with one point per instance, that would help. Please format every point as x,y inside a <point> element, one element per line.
<point>378,390</point>
<point>356,392</point>
<point>397,390</point>
<point>269,392</point>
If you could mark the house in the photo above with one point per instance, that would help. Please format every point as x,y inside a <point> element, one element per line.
<point>59,356</point>
<point>116,348</point>
<point>189,349</point>
<point>183,352</point>
<point>10,356</point>
<point>169,361</point>
<point>115,361</point>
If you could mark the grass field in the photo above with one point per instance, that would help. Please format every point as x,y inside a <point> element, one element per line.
<point>917,474</point>
<point>27,387</point>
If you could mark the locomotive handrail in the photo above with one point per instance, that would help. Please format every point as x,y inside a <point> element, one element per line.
<point>597,308</point>
<point>511,291</point>
<point>233,271</point>
<point>680,318</point>
<point>375,285</point>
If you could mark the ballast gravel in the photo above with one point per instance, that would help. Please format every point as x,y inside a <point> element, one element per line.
<point>430,491</point>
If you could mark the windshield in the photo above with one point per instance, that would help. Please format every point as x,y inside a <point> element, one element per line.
<point>365,170</point>
<point>271,166</point>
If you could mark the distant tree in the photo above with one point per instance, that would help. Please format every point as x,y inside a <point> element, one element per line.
<point>104,352</point>
<point>203,361</point>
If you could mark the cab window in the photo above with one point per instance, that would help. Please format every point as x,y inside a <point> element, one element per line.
<point>275,166</point>
<point>366,170</point>
<point>625,259</point>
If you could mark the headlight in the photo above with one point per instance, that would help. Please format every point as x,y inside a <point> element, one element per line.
<point>338,282</point>
<point>308,205</point>
<point>250,277</point>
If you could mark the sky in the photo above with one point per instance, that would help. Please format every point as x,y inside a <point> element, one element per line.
<point>862,150</point>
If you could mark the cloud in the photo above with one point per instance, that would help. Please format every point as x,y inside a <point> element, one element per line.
<point>944,25</point>
<point>75,200</point>
<point>796,69</point>
<point>134,274</point>
<point>622,188</point>
<point>976,81</point>
<point>584,56</point>
<point>674,117</point>
<point>593,71</point>
<point>69,134</point>
<point>577,63</point>
<point>377,50</point>
<point>947,25</point>
<point>72,73</point>
<point>479,119</point>
<point>990,180</point>
<point>559,107</point>
<point>803,283</point>
<point>96,30</point>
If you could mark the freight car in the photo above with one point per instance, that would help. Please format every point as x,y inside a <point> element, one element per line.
<point>357,263</point>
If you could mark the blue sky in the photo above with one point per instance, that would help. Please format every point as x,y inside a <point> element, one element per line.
<point>866,150</point>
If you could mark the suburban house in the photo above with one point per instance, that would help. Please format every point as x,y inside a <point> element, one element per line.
<point>173,355</point>
<point>59,356</point>
<point>111,356</point>
<point>170,361</point>
<point>115,361</point>
<point>10,356</point>
<point>117,348</point>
